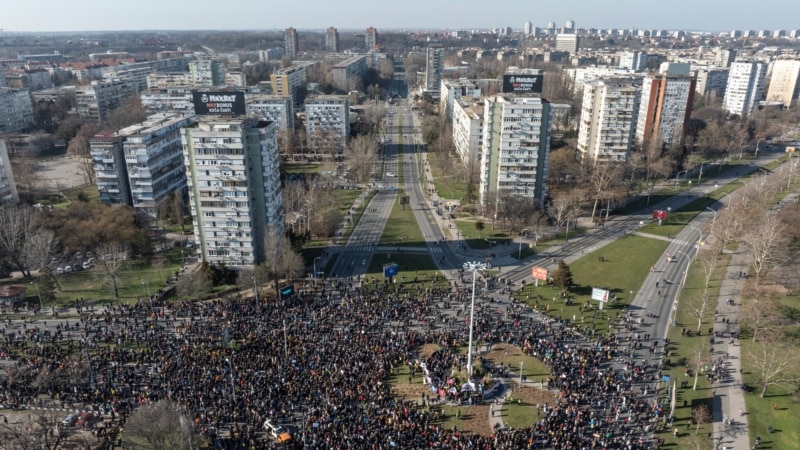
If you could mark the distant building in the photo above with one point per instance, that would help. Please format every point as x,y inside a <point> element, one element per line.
<point>371,38</point>
<point>634,61</point>
<point>784,85</point>
<point>567,43</point>
<point>177,99</point>
<point>608,120</point>
<point>236,78</point>
<point>16,110</point>
<point>665,108</point>
<point>234,188</point>
<point>332,40</point>
<point>289,81</point>
<point>452,90</point>
<point>745,87</point>
<point>272,108</point>
<point>347,75</point>
<point>291,45</point>
<point>468,128</point>
<point>725,57</point>
<point>527,28</point>
<point>434,68</point>
<point>163,80</point>
<point>516,145</point>
<point>712,80</point>
<point>101,99</point>
<point>8,189</point>
<point>207,72</point>
<point>270,54</point>
<point>327,123</point>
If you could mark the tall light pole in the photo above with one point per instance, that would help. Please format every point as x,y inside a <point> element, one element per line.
<point>763,180</point>
<point>315,268</point>
<point>700,174</point>
<point>149,297</point>
<point>473,267</point>
<point>714,220</point>
<point>678,178</point>
<point>255,285</point>
<point>233,383</point>
<point>757,142</point>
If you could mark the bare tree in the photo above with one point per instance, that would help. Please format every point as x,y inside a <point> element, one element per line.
<point>26,178</point>
<point>701,416</point>
<point>698,360</point>
<point>163,425</point>
<point>42,430</point>
<point>602,179</point>
<point>19,227</point>
<point>111,258</point>
<point>563,207</point>
<point>362,153</point>
<point>760,312</point>
<point>281,259</point>
<point>775,362</point>
<point>766,244</point>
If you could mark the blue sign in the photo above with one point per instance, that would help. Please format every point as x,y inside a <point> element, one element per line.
<point>287,291</point>
<point>664,377</point>
<point>390,270</point>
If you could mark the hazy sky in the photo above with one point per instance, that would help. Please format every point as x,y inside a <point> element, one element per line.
<point>710,15</point>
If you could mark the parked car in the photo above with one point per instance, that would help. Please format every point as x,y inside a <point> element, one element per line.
<point>87,265</point>
<point>60,271</point>
<point>277,431</point>
<point>84,419</point>
<point>67,269</point>
<point>70,420</point>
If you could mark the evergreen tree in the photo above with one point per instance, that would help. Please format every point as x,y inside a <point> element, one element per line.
<point>562,277</point>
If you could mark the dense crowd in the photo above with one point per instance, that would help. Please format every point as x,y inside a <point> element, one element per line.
<point>322,362</point>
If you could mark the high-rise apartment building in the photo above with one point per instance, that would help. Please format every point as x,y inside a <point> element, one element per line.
<point>745,87</point>
<point>234,188</point>
<point>154,160</point>
<point>725,57</point>
<point>468,128</point>
<point>110,170</point>
<point>101,99</point>
<point>8,189</point>
<point>434,68</point>
<point>784,85</point>
<point>348,74</point>
<point>712,80</point>
<point>327,123</point>
<point>527,28</point>
<point>291,46</point>
<point>16,109</point>
<point>288,81</point>
<point>332,40</point>
<point>665,108</point>
<point>272,108</point>
<point>371,38</point>
<point>515,149</point>
<point>608,119</point>
<point>567,43</point>
<point>207,72</point>
<point>635,61</point>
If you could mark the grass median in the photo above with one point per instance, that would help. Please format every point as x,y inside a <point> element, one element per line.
<point>401,228</point>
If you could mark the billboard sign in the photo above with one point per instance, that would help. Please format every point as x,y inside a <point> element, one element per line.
<point>390,270</point>
<point>523,84</point>
<point>287,291</point>
<point>659,214</point>
<point>219,103</point>
<point>539,273</point>
<point>601,295</point>
<point>790,149</point>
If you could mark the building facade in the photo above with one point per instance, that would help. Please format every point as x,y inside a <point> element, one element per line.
<point>110,169</point>
<point>332,40</point>
<point>101,99</point>
<point>745,87</point>
<point>567,43</point>
<point>725,57</point>
<point>288,81</point>
<point>16,110</point>
<point>327,123</point>
<point>468,128</point>
<point>234,188</point>
<point>371,38</point>
<point>608,120</point>
<point>634,61</point>
<point>784,85</point>
<point>272,108</point>
<point>154,160</point>
<point>665,108</point>
<point>8,189</point>
<point>347,75</point>
<point>291,45</point>
<point>177,99</point>
<point>434,68</point>
<point>712,80</point>
<point>516,145</point>
<point>207,72</point>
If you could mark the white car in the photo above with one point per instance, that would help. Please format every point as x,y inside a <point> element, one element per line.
<point>390,174</point>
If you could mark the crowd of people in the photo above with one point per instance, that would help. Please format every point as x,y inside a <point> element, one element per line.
<point>321,361</point>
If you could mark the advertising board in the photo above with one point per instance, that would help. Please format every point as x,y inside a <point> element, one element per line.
<point>523,84</point>
<point>219,103</point>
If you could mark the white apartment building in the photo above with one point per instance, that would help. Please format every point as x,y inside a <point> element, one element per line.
<point>567,43</point>
<point>347,74</point>
<point>177,99</point>
<point>234,187</point>
<point>516,145</point>
<point>327,123</point>
<point>206,72</point>
<point>745,87</point>
<point>583,75</point>
<point>16,110</point>
<point>468,128</point>
<point>154,160</point>
<point>101,99</point>
<point>270,54</point>
<point>8,190</point>
<point>608,119</point>
<point>110,170</point>
<point>634,61</point>
<point>665,107</point>
<point>784,85</point>
<point>163,80</point>
<point>452,90</point>
<point>235,78</point>
<point>711,80</point>
<point>434,68</point>
<point>272,108</point>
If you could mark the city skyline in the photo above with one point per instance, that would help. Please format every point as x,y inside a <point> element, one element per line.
<point>94,15</point>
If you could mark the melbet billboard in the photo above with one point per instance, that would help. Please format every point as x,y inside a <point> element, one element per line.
<point>219,103</point>
<point>523,84</point>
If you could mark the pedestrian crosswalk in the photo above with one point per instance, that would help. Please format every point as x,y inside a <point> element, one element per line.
<point>683,243</point>
<point>371,249</point>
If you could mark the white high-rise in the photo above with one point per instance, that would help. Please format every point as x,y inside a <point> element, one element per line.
<point>608,119</point>
<point>745,87</point>
<point>784,85</point>
<point>515,148</point>
<point>234,187</point>
<point>8,190</point>
<point>434,67</point>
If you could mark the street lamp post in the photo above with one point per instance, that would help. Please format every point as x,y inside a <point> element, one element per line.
<point>758,142</point>
<point>473,267</point>
<point>715,216</point>
<point>255,286</point>
<point>315,268</point>
<point>700,175</point>
<point>149,297</point>
<point>233,383</point>
<point>678,178</point>
<point>763,180</point>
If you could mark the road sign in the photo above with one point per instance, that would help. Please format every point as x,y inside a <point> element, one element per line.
<point>390,270</point>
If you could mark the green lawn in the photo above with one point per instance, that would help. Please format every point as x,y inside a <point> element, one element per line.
<point>626,265</point>
<point>401,228</point>
<point>316,167</point>
<point>91,193</point>
<point>415,269</point>
<point>477,239</point>
<point>447,185</point>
